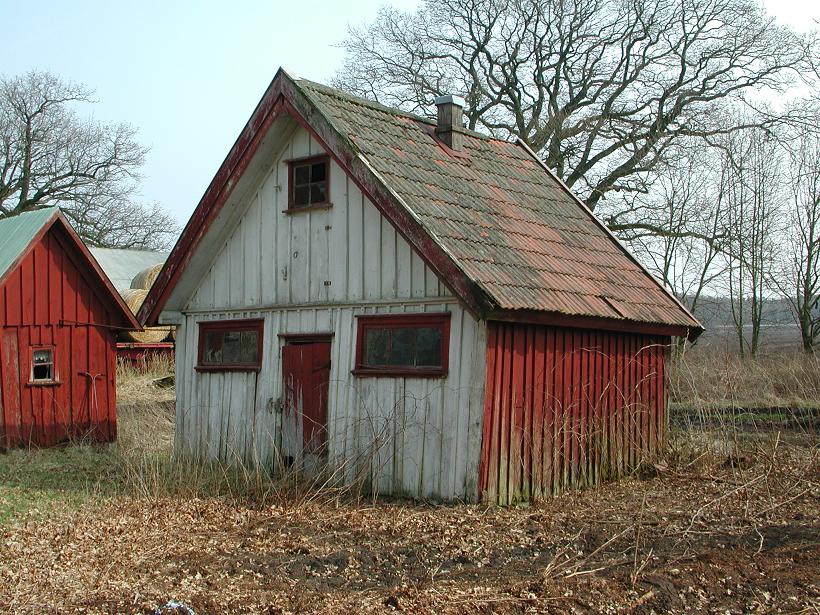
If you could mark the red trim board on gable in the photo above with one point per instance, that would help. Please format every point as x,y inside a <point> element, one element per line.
<point>389,205</point>
<point>100,274</point>
<point>238,158</point>
<point>283,95</point>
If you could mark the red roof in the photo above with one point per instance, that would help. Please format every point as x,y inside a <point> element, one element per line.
<point>508,237</point>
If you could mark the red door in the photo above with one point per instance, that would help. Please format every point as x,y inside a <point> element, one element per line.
<point>306,372</point>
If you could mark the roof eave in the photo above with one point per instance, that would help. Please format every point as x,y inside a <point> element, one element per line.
<point>559,319</point>
<point>695,323</point>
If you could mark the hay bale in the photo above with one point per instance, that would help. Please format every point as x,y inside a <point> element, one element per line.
<point>145,279</point>
<point>133,298</point>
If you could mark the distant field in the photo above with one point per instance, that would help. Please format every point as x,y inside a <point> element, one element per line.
<point>727,521</point>
<point>774,338</point>
<point>779,331</point>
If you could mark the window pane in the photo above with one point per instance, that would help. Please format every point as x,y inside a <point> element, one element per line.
<point>231,347</point>
<point>42,372</point>
<point>301,195</point>
<point>317,193</point>
<point>42,356</point>
<point>301,175</point>
<point>250,346</point>
<point>43,365</point>
<point>428,347</point>
<point>403,344</point>
<point>376,341</point>
<point>213,347</point>
<point>403,347</point>
<point>317,172</point>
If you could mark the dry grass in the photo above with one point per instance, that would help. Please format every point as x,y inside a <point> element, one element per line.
<point>147,468</point>
<point>712,379</point>
<point>713,529</point>
<point>137,385</point>
<point>139,465</point>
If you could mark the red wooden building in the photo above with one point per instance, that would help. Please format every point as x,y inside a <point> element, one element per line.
<point>411,304</point>
<point>59,315</point>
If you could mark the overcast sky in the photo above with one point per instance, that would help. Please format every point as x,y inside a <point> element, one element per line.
<point>188,74</point>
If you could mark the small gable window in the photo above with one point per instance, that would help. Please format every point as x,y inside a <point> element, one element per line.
<point>309,182</point>
<point>230,345</point>
<point>403,345</point>
<point>42,365</point>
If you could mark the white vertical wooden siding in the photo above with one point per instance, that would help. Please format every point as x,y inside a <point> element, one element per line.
<point>272,258</point>
<point>406,436</point>
<point>419,437</point>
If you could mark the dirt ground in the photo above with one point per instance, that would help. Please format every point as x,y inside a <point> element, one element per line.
<point>716,532</point>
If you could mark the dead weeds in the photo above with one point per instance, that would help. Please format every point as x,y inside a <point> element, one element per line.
<point>728,522</point>
<point>701,532</point>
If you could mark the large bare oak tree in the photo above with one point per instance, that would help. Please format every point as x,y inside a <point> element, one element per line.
<point>51,156</point>
<point>601,89</point>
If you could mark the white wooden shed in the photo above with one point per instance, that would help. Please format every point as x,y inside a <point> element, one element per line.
<point>348,274</point>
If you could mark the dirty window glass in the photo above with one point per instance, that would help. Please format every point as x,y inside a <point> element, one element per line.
<point>376,345</point>
<point>42,365</point>
<point>403,347</point>
<point>249,347</point>
<point>428,346</point>
<point>227,346</point>
<point>309,183</point>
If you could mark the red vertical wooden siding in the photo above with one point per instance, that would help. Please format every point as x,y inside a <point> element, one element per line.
<point>568,407</point>
<point>47,300</point>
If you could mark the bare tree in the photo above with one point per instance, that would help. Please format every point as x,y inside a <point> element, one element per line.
<point>685,202</point>
<point>600,88</point>
<point>50,156</point>
<point>799,279</point>
<point>752,187</point>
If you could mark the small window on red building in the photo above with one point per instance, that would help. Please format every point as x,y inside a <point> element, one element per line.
<point>227,345</point>
<point>403,345</point>
<point>42,364</point>
<point>309,182</point>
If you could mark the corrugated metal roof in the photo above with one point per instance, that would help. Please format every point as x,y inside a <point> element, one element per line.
<point>122,265</point>
<point>509,224</point>
<point>17,232</point>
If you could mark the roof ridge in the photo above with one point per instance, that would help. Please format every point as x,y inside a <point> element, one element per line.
<point>44,211</point>
<point>395,111</point>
